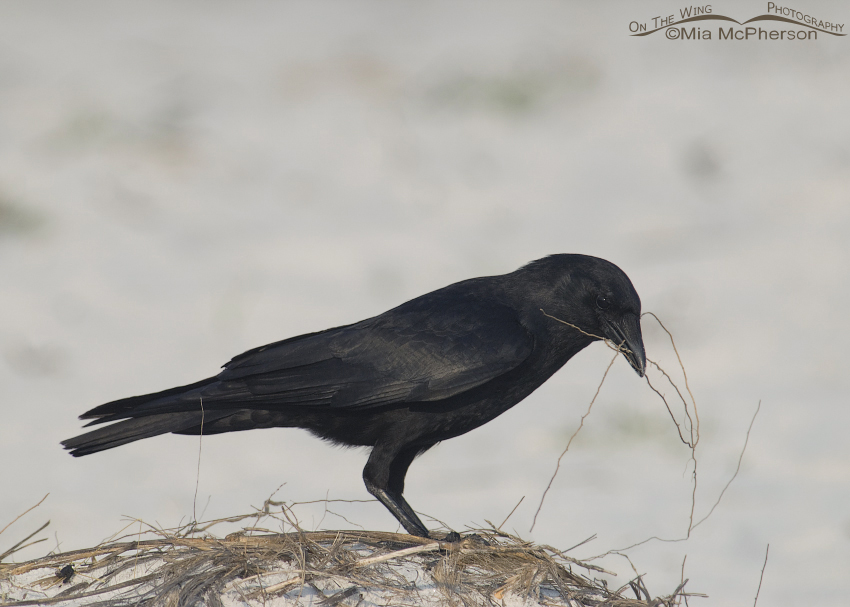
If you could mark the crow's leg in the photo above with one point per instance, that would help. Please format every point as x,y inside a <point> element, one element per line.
<point>399,465</point>
<point>384,478</point>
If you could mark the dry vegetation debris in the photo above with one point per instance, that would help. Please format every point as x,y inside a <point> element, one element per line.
<point>255,567</point>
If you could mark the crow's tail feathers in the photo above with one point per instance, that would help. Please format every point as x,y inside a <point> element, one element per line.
<point>141,425</point>
<point>130,430</point>
<point>181,398</point>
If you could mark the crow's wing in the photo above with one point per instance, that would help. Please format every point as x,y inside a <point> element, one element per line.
<point>410,354</point>
<point>422,351</point>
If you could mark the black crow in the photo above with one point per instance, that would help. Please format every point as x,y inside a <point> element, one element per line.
<point>431,369</point>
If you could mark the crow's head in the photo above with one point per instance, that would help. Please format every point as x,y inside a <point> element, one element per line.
<point>597,298</point>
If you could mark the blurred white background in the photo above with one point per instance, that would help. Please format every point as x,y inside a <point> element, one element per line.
<point>180,182</point>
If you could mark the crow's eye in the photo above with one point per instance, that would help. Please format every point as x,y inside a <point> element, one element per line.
<point>602,303</point>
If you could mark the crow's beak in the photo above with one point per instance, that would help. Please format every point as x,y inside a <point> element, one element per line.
<point>626,334</point>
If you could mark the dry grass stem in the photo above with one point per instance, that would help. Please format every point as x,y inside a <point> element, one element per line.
<point>510,514</point>
<point>688,429</point>
<point>198,472</point>
<point>761,577</point>
<point>22,544</point>
<point>737,469</point>
<point>25,512</point>
<point>569,442</point>
<point>691,427</point>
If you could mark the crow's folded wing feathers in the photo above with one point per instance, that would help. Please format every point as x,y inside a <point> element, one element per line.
<point>406,355</point>
<point>422,351</point>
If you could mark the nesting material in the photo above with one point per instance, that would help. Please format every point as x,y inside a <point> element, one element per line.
<point>327,568</point>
